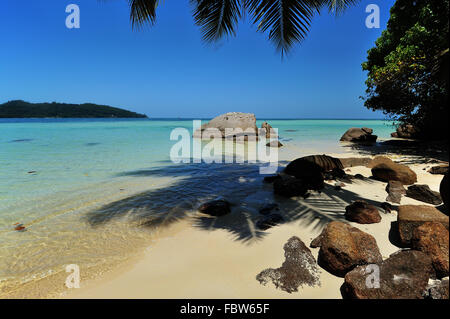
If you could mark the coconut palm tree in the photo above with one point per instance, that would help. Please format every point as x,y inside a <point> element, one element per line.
<point>286,21</point>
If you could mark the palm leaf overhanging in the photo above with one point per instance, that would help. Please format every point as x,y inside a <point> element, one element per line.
<point>286,21</point>
<point>143,11</point>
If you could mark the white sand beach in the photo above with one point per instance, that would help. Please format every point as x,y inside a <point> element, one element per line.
<point>189,262</point>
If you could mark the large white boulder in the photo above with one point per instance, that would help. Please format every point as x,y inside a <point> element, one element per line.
<point>232,120</point>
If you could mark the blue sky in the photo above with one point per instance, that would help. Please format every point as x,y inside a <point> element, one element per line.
<point>167,71</point>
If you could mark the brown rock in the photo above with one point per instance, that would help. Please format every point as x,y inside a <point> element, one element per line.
<point>269,131</point>
<point>386,170</point>
<point>310,169</point>
<point>395,191</point>
<point>289,186</point>
<point>432,239</point>
<point>359,135</point>
<point>215,208</point>
<point>423,193</point>
<point>363,213</point>
<point>412,216</point>
<point>323,163</point>
<point>439,170</point>
<point>271,178</point>
<point>404,275</point>
<point>343,247</point>
<point>406,131</point>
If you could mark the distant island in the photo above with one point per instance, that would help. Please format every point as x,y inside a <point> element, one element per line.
<point>22,109</point>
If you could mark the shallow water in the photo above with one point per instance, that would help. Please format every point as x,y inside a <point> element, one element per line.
<point>93,192</point>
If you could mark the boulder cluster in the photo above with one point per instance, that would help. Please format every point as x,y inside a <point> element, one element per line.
<point>418,270</point>
<point>238,126</point>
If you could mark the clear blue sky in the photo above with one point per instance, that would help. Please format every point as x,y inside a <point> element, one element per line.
<point>167,71</point>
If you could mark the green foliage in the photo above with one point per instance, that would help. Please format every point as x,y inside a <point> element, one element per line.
<point>286,21</point>
<point>22,109</point>
<point>403,80</point>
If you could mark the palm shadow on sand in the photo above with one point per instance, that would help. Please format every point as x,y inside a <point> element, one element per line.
<point>240,184</point>
<point>412,152</point>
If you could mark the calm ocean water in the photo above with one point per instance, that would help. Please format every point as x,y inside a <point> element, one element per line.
<point>84,188</point>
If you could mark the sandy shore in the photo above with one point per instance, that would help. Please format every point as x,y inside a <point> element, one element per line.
<point>190,262</point>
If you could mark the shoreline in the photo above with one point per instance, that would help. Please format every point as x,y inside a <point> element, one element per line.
<point>193,263</point>
<point>186,261</point>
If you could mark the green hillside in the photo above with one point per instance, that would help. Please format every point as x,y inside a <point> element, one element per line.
<point>22,109</point>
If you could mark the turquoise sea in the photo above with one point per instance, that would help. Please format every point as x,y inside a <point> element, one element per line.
<point>85,188</point>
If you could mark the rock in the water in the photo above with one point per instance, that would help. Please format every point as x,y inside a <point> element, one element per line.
<point>323,163</point>
<point>298,269</point>
<point>405,131</point>
<point>424,194</point>
<point>359,135</point>
<point>244,124</point>
<point>432,239</point>
<point>218,207</point>
<point>268,208</point>
<point>268,129</point>
<point>395,191</point>
<point>443,189</point>
<point>310,169</point>
<point>269,221</point>
<point>271,179</point>
<point>360,177</point>
<point>289,186</point>
<point>343,247</point>
<point>412,216</point>
<point>363,213</point>
<point>355,161</point>
<point>404,275</point>
<point>386,170</point>
<point>437,289</point>
<point>439,170</point>
<point>274,143</point>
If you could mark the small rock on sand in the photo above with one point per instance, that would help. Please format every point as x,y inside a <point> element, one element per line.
<point>218,207</point>
<point>423,193</point>
<point>343,247</point>
<point>363,213</point>
<point>395,191</point>
<point>386,170</point>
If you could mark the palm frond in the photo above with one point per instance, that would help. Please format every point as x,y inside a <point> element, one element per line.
<point>288,21</point>
<point>216,18</point>
<point>335,6</point>
<point>142,12</point>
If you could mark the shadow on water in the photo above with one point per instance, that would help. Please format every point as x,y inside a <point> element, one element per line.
<point>240,184</point>
<point>417,152</point>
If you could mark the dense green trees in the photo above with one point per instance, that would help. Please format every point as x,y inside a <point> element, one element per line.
<point>408,67</point>
<point>22,109</point>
